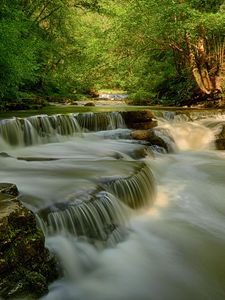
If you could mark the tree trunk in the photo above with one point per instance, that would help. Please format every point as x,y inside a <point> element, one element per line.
<point>200,73</point>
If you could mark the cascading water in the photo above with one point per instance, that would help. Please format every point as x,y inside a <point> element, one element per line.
<point>44,129</point>
<point>85,188</point>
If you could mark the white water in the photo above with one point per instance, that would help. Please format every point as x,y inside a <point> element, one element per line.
<point>175,249</point>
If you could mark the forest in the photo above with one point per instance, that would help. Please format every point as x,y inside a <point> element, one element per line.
<point>168,52</point>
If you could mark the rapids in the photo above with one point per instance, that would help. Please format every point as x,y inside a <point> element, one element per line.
<point>171,248</point>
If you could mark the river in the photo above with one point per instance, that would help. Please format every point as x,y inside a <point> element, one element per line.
<point>172,246</point>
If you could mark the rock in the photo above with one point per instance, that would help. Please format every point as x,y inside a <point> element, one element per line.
<point>9,188</point>
<point>26,267</point>
<point>141,135</point>
<point>74,103</point>
<point>143,119</point>
<point>142,152</point>
<point>150,136</point>
<point>145,125</point>
<point>70,102</point>
<point>93,93</point>
<point>4,154</point>
<point>89,104</point>
<point>138,116</point>
<point>37,158</point>
<point>220,139</point>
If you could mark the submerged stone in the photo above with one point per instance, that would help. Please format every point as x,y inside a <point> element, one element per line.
<point>26,266</point>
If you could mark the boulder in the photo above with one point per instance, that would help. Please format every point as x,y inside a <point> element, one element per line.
<point>89,104</point>
<point>220,139</point>
<point>151,137</point>
<point>144,125</point>
<point>26,266</point>
<point>141,135</point>
<point>142,119</point>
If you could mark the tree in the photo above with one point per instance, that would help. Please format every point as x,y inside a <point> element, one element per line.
<point>18,50</point>
<point>175,41</point>
<point>45,46</point>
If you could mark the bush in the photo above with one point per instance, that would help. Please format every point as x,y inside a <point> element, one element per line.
<point>140,97</point>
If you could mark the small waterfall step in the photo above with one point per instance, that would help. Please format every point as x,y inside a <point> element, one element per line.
<point>97,214</point>
<point>45,129</point>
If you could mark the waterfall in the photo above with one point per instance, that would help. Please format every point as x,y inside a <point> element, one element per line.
<point>99,213</point>
<point>123,222</point>
<point>15,132</point>
<point>192,131</point>
<point>45,129</point>
<point>137,190</point>
<point>101,121</point>
<point>96,219</point>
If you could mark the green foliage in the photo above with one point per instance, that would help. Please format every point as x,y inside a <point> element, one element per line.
<point>69,47</point>
<point>151,47</point>
<point>48,47</point>
<point>18,52</point>
<point>210,6</point>
<point>141,97</point>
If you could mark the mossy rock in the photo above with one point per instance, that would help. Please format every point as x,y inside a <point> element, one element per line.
<point>26,266</point>
<point>8,188</point>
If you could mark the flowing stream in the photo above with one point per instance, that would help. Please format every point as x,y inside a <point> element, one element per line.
<point>124,225</point>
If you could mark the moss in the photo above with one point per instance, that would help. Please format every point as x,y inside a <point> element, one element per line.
<point>25,264</point>
<point>24,282</point>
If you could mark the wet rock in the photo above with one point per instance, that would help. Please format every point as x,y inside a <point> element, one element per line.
<point>26,266</point>
<point>138,116</point>
<point>143,119</point>
<point>4,154</point>
<point>141,135</point>
<point>89,104</point>
<point>37,158</point>
<point>220,139</point>
<point>9,188</point>
<point>142,152</point>
<point>145,125</point>
<point>152,138</point>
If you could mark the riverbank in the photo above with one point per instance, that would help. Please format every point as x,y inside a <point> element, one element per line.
<point>105,101</point>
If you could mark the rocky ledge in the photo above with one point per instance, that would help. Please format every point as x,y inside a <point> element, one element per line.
<point>140,119</point>
<point>26,266</point>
